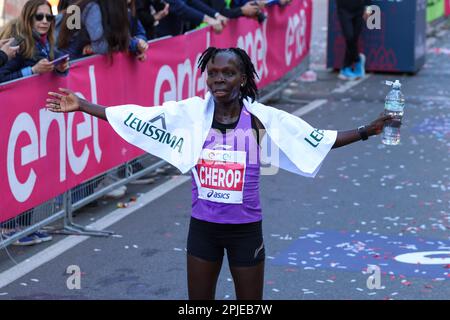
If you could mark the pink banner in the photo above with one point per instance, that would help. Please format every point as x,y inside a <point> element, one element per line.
<point>447,7</point>
<point>45,154</point>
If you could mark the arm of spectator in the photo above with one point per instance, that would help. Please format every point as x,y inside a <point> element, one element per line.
<point>250,9</point>
<point>184,12</point>
<point>203,7</point>
<point>140,31</point>
<point>220,6</point>
<point>137,45</point>
<point>143,12</point>
<point>13,70</point>
<point>161,13</point>
<point>214,23</point>
<point>94,27</point>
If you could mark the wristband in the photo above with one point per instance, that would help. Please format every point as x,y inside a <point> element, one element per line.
<point>362,130</point>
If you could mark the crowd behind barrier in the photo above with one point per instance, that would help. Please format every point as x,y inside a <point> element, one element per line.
<point>46,154</point>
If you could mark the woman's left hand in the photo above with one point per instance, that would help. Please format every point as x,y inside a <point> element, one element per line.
<point>63,66</point>
<point>376,126</point>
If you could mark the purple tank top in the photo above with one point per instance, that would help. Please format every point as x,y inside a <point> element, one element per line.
<point>225,182</point>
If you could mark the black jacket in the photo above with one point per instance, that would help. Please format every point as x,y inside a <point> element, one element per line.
<point>145,16</point>
<point>353,5</point>
<point>220,6</point>
<point>181,13</point>
<point>3,58</point>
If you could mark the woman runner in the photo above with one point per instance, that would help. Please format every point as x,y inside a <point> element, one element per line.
<point>226,212</point>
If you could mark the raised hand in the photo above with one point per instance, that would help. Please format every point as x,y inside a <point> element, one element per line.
<point>66,101</point>
<point>376,126</point>
<point>63,66</point>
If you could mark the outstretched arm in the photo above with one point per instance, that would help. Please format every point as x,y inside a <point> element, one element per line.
<point>375,128</point>
<point>67,101</point>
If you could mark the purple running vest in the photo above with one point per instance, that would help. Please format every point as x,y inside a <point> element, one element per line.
<point>225,182</point>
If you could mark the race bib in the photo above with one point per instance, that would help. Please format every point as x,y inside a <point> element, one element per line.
<point>220,174</point>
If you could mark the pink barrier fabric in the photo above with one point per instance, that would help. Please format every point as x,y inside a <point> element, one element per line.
<point>44,154</point>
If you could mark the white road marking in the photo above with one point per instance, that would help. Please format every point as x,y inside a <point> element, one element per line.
<point>350,84</point>
<point>309,107</point>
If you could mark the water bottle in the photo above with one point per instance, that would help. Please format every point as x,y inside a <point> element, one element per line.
<point>394,105</point>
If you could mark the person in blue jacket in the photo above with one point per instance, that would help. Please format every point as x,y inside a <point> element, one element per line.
<point>34,31</point>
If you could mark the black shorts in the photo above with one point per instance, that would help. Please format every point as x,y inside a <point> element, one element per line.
<point>243,242</point>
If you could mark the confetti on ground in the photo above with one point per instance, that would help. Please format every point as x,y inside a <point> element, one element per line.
<point>34,280</point>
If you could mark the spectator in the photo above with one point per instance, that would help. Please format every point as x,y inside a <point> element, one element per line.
<point>351,16</point>
<point>7,50</point>
<point>193,14</point>
<point>150,12</point>
<point>104,29</point>
<point>35,26</point>
<point>138,43</point>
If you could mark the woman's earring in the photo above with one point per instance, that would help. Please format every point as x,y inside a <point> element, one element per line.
<point>242,84</point>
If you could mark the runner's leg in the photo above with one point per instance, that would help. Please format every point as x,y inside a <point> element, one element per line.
<point>249,281</point>
<point>202,278</point>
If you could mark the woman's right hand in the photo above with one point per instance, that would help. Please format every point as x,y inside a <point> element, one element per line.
<point>65,102</point>
<point>42,66</point>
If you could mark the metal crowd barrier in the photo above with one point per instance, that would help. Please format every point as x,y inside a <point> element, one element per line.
<point>63,206</point>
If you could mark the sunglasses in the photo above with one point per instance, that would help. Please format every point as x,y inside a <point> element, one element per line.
<point>40,17</point>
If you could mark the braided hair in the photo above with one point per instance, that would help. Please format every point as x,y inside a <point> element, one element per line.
<point>246,66</point>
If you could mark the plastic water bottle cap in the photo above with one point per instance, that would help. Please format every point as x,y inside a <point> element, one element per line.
<point>395,84</point>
